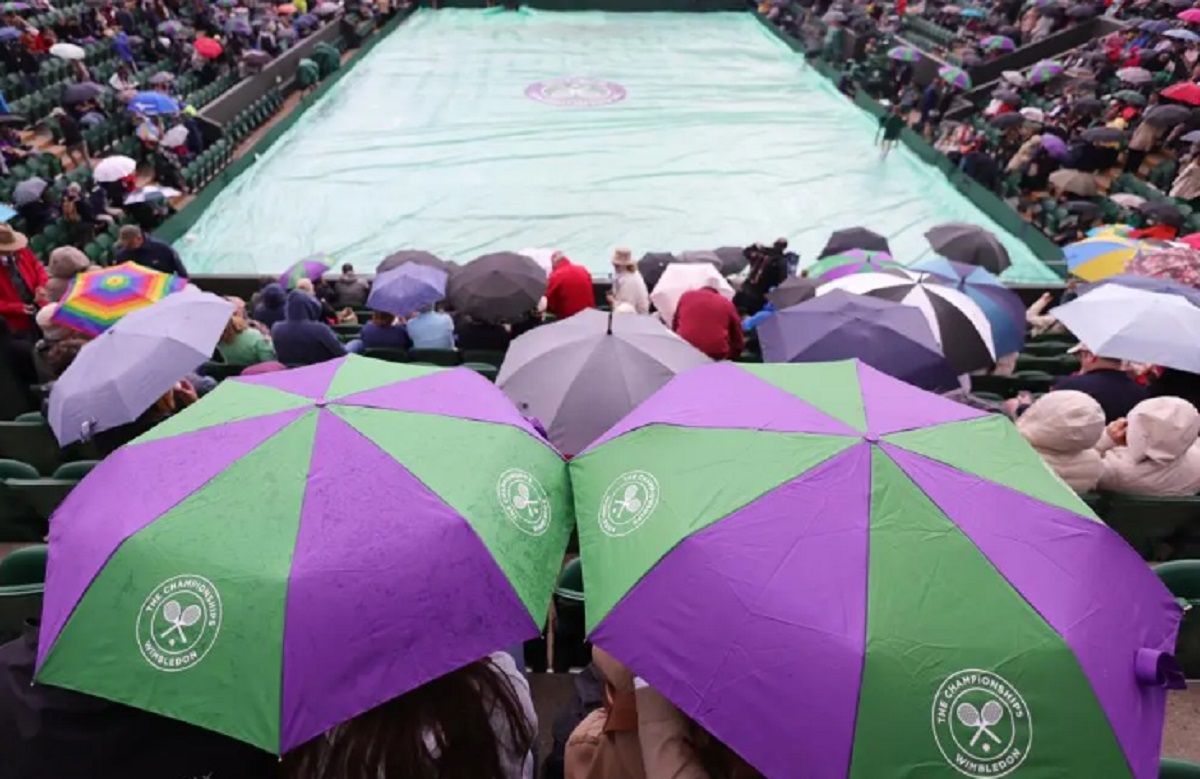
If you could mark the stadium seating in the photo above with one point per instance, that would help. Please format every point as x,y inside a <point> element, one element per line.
<point>1160,529</point>
<point>570,628</point>
<point>1182,578</point>
<point>1178,769</point>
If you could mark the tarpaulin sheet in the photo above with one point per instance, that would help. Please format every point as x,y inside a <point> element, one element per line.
<point>471,131</point>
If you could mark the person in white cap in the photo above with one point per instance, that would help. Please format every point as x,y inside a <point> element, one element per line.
<point>628,286</point>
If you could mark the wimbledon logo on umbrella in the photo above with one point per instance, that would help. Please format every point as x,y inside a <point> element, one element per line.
<point>524,501</point>
<point>982,725</point>
<point>179,622</point>
<point>628,503</point>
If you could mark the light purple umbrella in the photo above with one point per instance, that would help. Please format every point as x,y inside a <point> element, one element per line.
<point>407,288</point>
<point>1054,145</point>
<point>122,372</point>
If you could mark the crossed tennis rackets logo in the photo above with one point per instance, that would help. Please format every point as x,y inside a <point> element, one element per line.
<point>981,724</point>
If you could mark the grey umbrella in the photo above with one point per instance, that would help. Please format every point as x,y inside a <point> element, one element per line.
<point>1103,135</point>
<point>795,290</point>
<point>1166,115</point>
<point>1005,121</point>
<point>842,241</point>
<point>969,244</point>
<point>29,191</point>
<point>652,265</point>
<point>1164,212</point>
<point>496,287</point>
<point>733,259</point>
<point>161,78</point>
<point>580,376</point>
<point>79,93</point>
<point>419,257</point>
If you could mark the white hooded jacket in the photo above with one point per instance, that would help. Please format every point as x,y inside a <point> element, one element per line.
<point>1161,456</point>
<point>1064,427</point>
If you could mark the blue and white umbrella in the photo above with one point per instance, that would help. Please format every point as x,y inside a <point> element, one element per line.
<point>407,288</point>
<point>153,104</point>
<point>1003,308</point>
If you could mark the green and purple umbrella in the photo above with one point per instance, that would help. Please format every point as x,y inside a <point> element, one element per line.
<point>1044,71</point>
<point>955,76</point>
<point>904,54</point>
<point>850,262</point>
<point>828,568</point>
<point>302,546</point>
<point>998,43</point>
<point>311,267</point>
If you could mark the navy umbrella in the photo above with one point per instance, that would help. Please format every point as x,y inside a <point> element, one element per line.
<point>652,265</point>
<point>796,289</point>
<point>496,287</point>
<point>733,259</point>
<point>891,337</point>
<point>419,257</point>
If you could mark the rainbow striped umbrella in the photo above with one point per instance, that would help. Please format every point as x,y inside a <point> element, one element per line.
<point>97,299</point>
<point>904,54</point>
<point>311,267</point>
<point>852,261</point>
<point>998,43</point>
<point>1044,71</point>
<point>1104,255</point>
<point>955,77</point>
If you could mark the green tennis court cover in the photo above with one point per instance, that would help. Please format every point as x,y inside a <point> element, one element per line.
<point>473,131</point>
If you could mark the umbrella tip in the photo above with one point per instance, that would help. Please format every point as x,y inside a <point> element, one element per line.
<point>610,316</point>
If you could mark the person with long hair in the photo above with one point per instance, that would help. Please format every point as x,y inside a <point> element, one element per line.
<point>474,723</point>
<point>241,344</point>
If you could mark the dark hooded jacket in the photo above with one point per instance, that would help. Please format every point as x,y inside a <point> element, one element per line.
<point>300,339</point>
<point>270,305</point>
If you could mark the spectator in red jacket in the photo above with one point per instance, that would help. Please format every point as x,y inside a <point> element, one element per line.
<point>569,289</point>
<point>22,283</point>
<point>708,321</point>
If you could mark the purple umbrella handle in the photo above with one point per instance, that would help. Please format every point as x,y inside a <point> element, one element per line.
<point>1155,668</point>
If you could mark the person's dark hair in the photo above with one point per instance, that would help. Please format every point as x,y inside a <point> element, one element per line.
<point>382,318</point>
<point>453,712</point>
<point>347,268</point>
<point>62,354</point>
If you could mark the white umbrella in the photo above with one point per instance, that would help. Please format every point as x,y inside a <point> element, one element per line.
<point>679,278</point>
<point>67,51</point>
<point>1127,199</point>
<point>1014,77</point>
<point>540,256</point>
<point>176,136</point>
<point>1125,323</point>
<point>1033,114</point>
<point>958,323</point>
<point>113,168</point>
<point>151,192</point>
<point>120,374</point>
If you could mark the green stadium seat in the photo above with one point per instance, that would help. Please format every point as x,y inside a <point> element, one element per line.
<point>484,369</point>
<point>1047,348</point>
<point>18,521</point>
<point>489,356</point>
<point>389,355</point>
<point>220,370</point>
<point>38,498</point>
<point>1061,365</point>
<point>352,329</point>
<point>447,358</point>
<point>31,443</point>
<point>1182,578</point>
<point>1178,769</point>
<point>76,469</point>
<point>32,418</point>
<point>26,565</point>
<point>1160,529</point>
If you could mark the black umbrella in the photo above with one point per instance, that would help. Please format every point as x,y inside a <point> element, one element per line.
<point>1084,208</point>
<point>81,93</point>
<point>1082,12</point>
<point>419,257</point>
<point>1103,135</point>
<point>1006,121</point>
<point>13,120</point>
<point>796,289</point>
<point>1166,115</point>
<point>652,265</point>
<point>1088,105</point>
<point>496,287</point>
<point>733,259</point>
<point>1164,213</point>
<point>854,238</point>
<point>970,244</point>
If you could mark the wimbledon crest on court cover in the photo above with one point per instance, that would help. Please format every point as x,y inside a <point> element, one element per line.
<point>179,622</point>
<point>576,92</point>
<point>981,723</point>
<point>524,501</point>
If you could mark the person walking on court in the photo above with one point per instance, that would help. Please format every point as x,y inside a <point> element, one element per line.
<point>890,125</point>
